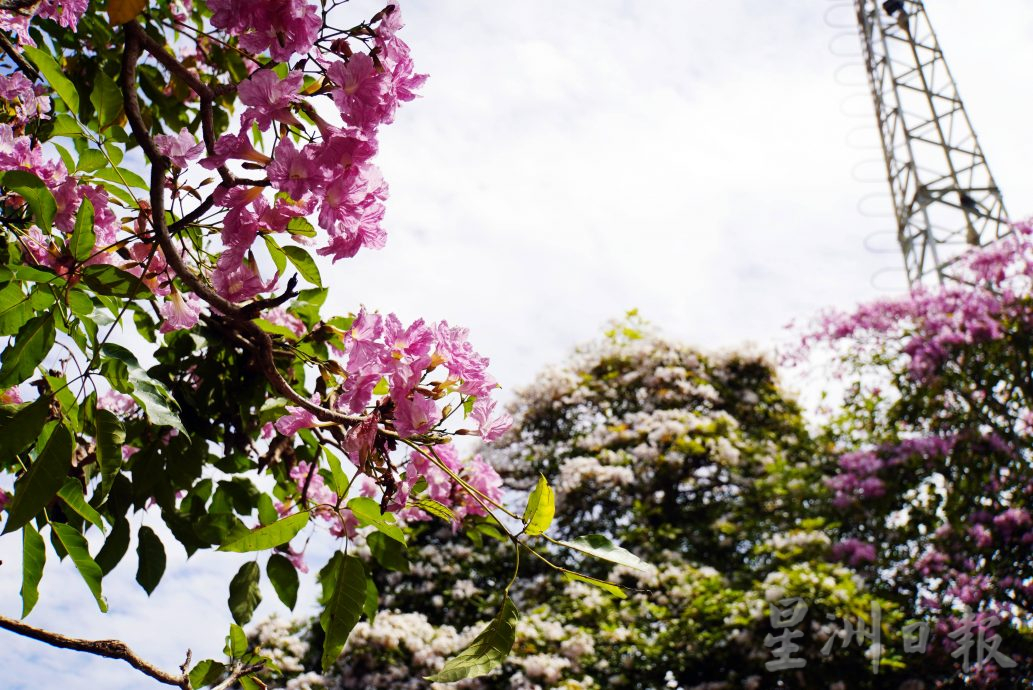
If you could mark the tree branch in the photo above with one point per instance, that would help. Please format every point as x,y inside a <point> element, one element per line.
<point>135,39</point>
<point>16,56</point>
<point>111,649</point>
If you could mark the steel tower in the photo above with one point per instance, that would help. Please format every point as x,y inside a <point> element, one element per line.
<point>945,198</point>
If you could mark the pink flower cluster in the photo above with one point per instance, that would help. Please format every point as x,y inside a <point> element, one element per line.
<point>283,27</point>
<point>21,153</point>
<point>380,348</point>
<point>29,103</point>
<point>332,172</point>
<point>440,487</point>
<point>67,13</point>
<point>854,552</point>
<point>934,323</point>
<point>445,490</point>
<point>857,479</point>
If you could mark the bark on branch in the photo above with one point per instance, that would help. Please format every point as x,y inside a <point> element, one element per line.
<point>111,649</point>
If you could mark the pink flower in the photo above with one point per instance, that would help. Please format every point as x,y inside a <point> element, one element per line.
<point>282,317</point>
<point>269,98</point>
<point>490,426</point>
<point>16,89</point>
<point>360,439</point>
<point>458,356</point>
<point>283,27</point>
<point>10,396</point>
<point>415,416</point>
<point>179,148</point>
<point>482,477</point>
<point>241,282</point>
<point>294,171</point>
<point>180,311</point>
<point>296,419</point>
<point>117,403</point>
<point>364,95</point>
<point>297,559</point>
<point>235,146</point>
<point>854,551</point>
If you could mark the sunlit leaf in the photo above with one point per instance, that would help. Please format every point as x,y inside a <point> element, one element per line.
<point>344,606</point>
<point>541,506</point>
<point>75,544</point>
<point>43,480</point>
<point>34,557</point>
<point>263,538</point>
<point>486,652</point>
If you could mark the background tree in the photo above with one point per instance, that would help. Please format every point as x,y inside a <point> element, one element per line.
<point>699,464</point>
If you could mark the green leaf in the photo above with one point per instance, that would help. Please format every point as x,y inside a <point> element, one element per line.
<point>34,557</point>
<point>284,577</point>
<point>604,585</point>
<point>109,437</point>
<point>267,514</point>
<point>106,99</point>
<point>367,511</point>
<point>113,282</point>
<point>15,309</point>
<point>337,476</point>
<point>276,253</point>
<point>600,546</point>
<point>90,160</point>
<point>486,652</point>
<point>206,672</point>
<point>121,177</point>
<point>80,303</point>
<point>154,398</point>
<point>71,494</point>
<point>75,545</point>
<point>382,387</point>
<point>66,126</point>
<point>343,608</point>
<point>115,546</point>
<point>388,552</point>
<point>31,345</point>
<point>52,72</point>
<point>369,607</point>
<point>244,592</point>
<point>301,226</point>
<point>150,559</point>
<point>36,194</point>
<point>435,508</point>
<point>22,428</point>
<point>43,480</point>
<point>305,264</point>
<point>541,506</point>
<point>80,244</point>
<point>263,538</point>
<point>236,642</point>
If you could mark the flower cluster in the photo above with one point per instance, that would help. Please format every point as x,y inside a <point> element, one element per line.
<point>66,13</point>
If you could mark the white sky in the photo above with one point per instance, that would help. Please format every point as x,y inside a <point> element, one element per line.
<point>567,162</point>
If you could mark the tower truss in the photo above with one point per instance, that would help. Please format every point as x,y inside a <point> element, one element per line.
<point>945,198</point>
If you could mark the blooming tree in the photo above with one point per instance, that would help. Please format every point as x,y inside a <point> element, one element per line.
<point>932,490</point>
<point>168,170</point>
<point>702,465</point>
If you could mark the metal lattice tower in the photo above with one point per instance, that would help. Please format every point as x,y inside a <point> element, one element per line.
<point>945,198</point>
